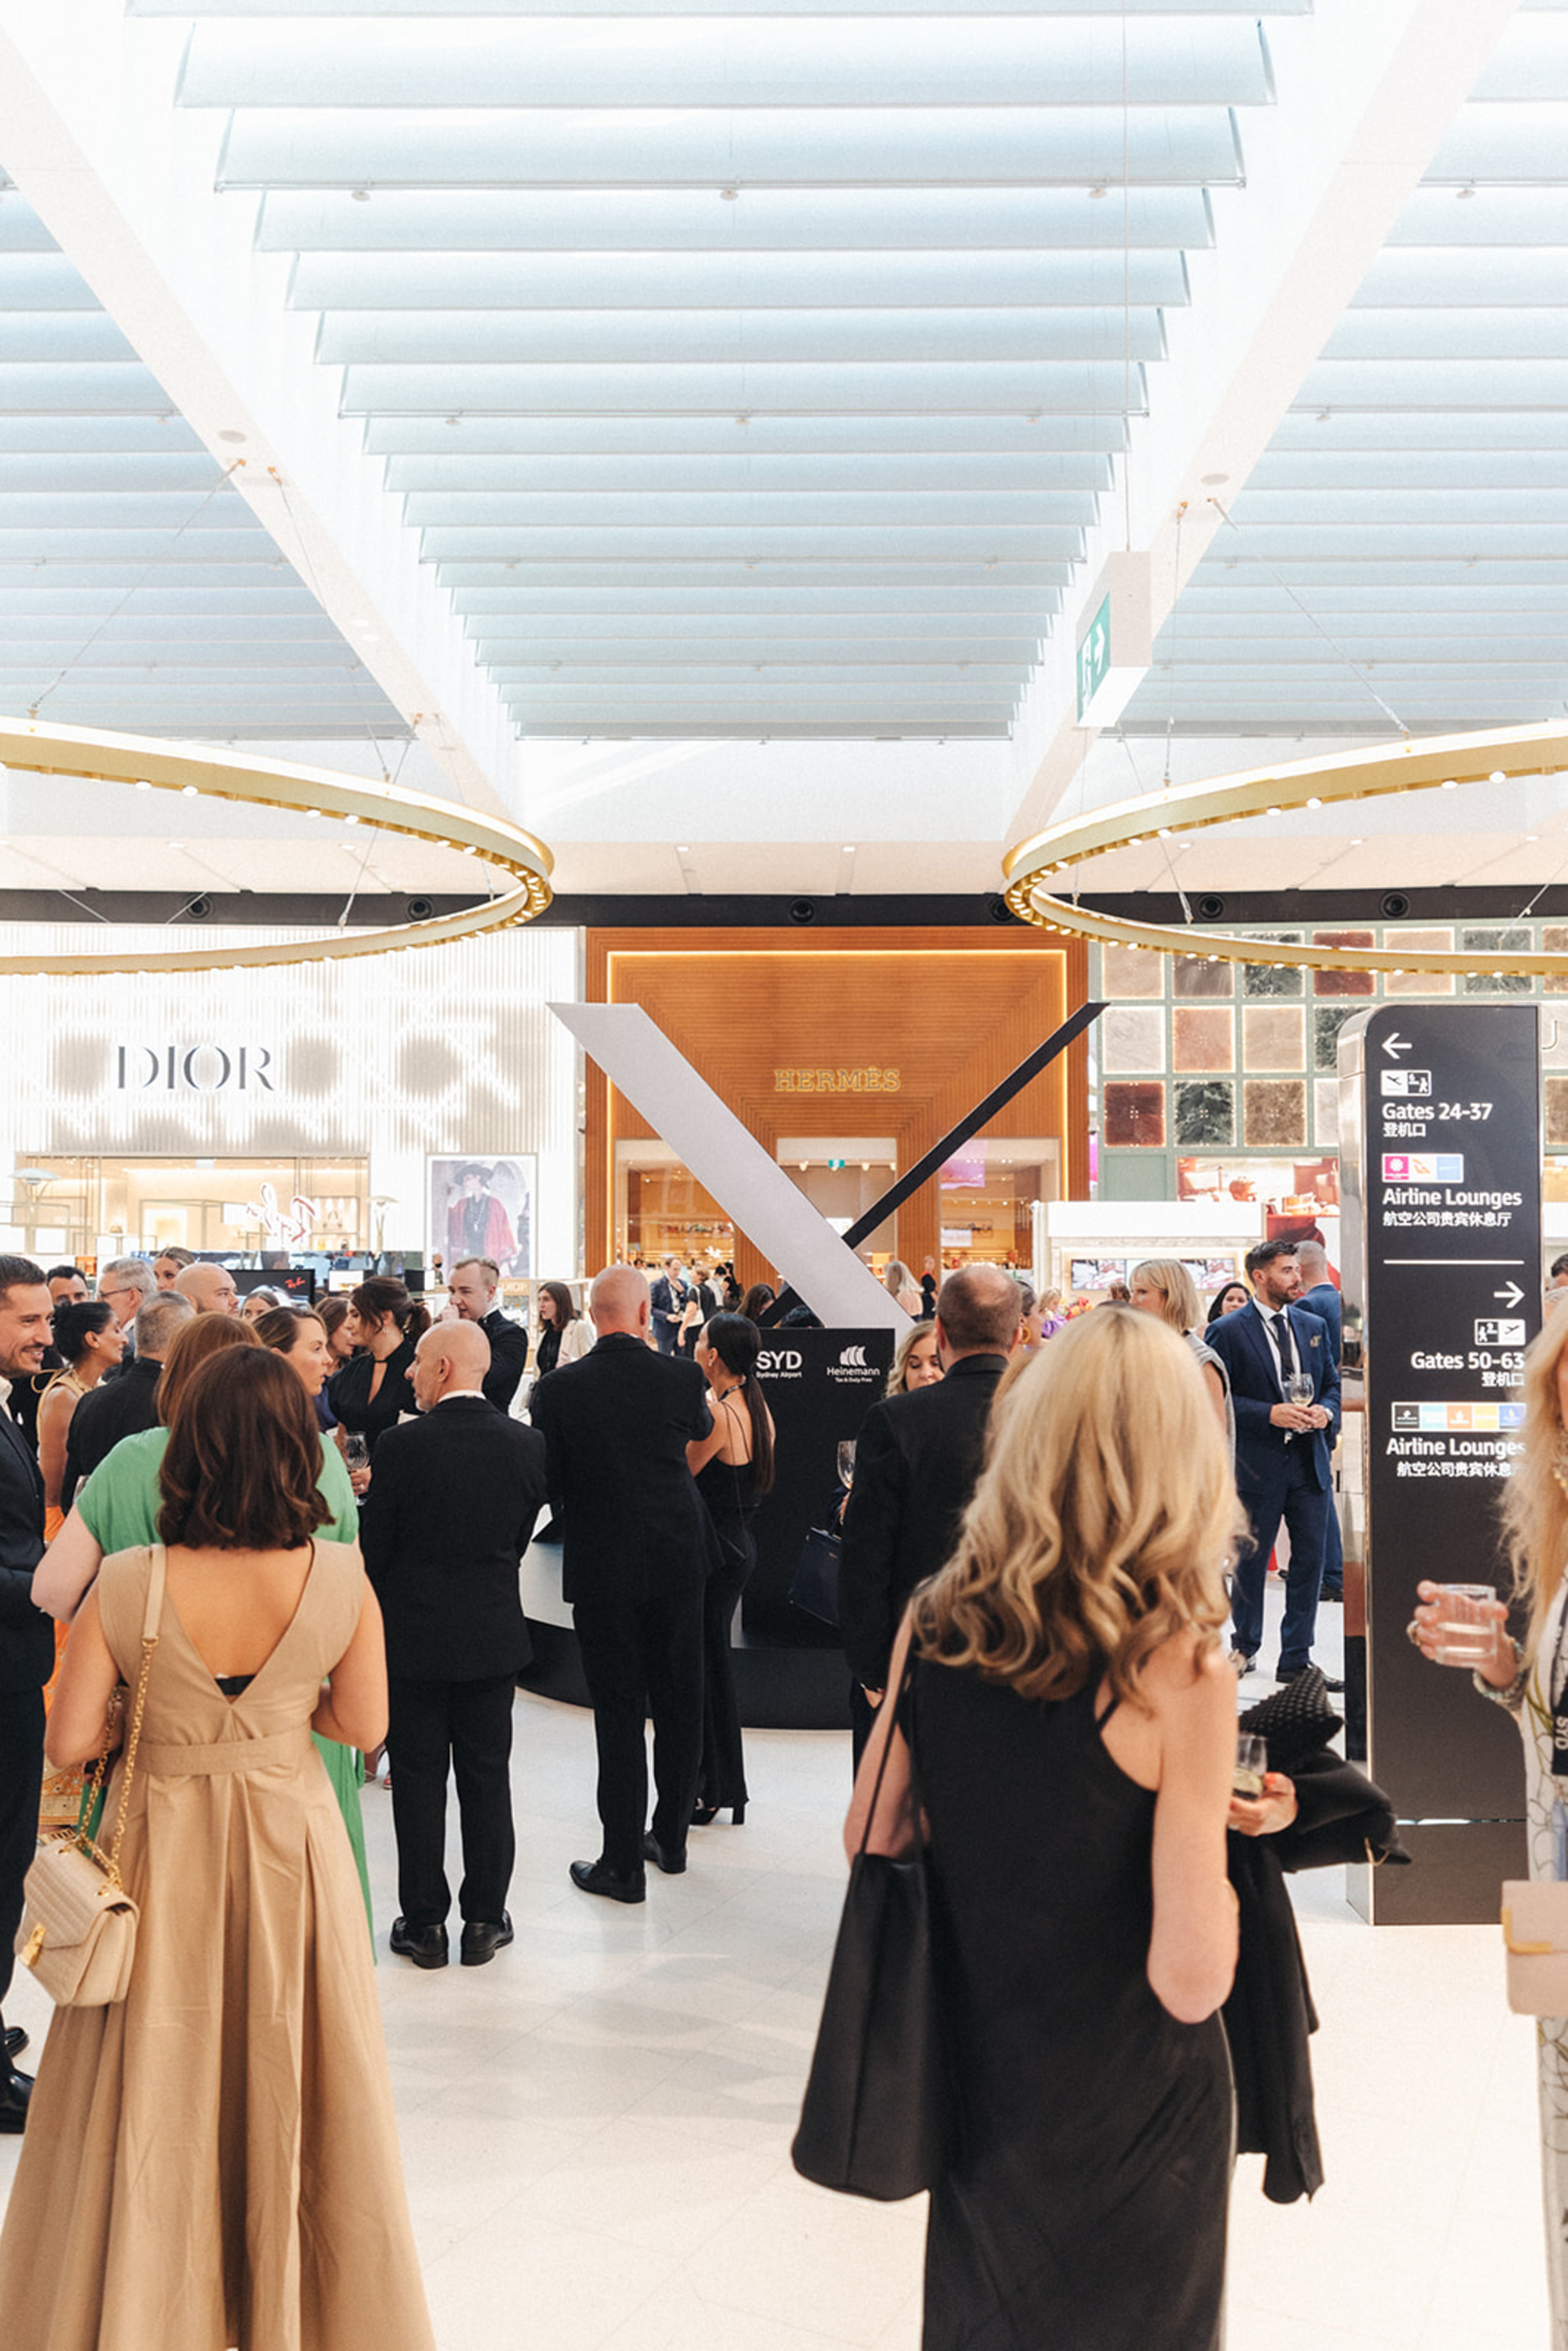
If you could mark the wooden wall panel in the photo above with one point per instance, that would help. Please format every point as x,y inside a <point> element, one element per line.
<point>953,1011</point>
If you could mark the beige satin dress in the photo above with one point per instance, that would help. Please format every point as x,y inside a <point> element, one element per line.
<point>214,2163</point>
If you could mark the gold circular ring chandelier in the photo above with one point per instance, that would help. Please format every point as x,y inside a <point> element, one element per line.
<point>148,766</point>
<point>1435,764</point>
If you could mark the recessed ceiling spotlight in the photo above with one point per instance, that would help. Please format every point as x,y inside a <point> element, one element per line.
<point>1449,785</point>
<point>683,849</point>
<point>729,196</point>
<point>1095,194</point>
<point>143,785</point>
<point>1533,836</point>
<point>188,792</point>
<point>235,437</point>
<point>1314,803</point>
<point>1212,480</point>
<point>1463,192</point>
<point>312,811</point>
<point>1322,416</point>
<point>849,849</point>
<point>452,419</point>
<point>360,195</point>
<point>1497,777</point>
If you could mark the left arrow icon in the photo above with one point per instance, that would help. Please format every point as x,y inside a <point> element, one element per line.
<point>1395,1044</point>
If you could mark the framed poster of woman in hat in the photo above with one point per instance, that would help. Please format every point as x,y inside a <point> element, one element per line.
<point>483,1207</point>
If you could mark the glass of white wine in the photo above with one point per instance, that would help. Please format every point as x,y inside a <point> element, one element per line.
<point>1251,1765</point>
<point>1298,1388</point>
<point>846,1462</point>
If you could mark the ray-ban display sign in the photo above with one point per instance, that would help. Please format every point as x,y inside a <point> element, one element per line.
<point>1443,1261</point>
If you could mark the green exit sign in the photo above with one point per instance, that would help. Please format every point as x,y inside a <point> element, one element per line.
<point>835,1162</point>
<point>1094,656</point>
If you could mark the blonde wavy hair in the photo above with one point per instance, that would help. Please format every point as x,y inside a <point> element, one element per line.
<point>1534,1505</point>
<point>1178,1292</point>
<point>1103,1522</point>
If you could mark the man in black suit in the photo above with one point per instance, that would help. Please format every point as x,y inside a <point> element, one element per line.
<point>1283,1450</point>
<point>111,1411</point>
<point>448,1516</point>
<point>473,1290</point>
<point>916,1462</point>
<point>668,1303</point>
<point>26,1640</point>
<point>617,1424</point>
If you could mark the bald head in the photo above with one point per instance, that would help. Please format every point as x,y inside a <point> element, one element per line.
<point>1312,1259</point>
<point>210,1288</point>
<point>978,1310</point>
<point>450,1356</point>
<point>620,1300</point>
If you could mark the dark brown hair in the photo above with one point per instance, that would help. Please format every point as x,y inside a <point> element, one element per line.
<point>244,1458</point>
<point>198,1338</point>
<point>331,1311</point>
<point>384,1294</point>
<point>565,1311</point>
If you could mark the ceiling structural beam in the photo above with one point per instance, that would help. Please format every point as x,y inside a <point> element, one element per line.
<point>125,180</point>
<point>1363,98</point>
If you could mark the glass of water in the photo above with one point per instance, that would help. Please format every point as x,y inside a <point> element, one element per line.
<point>846,1461</point>
<point>1467,1635</point>
<point>1251,1763</point>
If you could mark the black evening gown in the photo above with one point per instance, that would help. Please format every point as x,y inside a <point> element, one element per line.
<point>726,1489</point>
<point>1086,2210</point>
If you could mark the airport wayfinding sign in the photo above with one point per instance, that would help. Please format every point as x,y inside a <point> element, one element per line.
<point>1445,1263</point>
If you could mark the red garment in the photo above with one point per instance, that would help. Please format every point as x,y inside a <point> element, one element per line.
<point>499,1244</point>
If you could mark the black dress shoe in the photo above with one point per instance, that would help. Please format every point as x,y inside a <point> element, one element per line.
<point>1333,1598</point>
<point>12,2041</point>
<point>483,1937</point>
<point>671,1864</point>
<point>594,1878</point>
<point>16,2089</point>
<point>425,1946</point>
<point>1296,1673</point>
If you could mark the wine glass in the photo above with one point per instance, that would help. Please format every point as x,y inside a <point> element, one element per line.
<point>846,1461</point>
<point>356,1450</point>
<point>1298,1388</point>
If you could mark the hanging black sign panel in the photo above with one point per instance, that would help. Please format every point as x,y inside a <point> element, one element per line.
<point>820,1386</point>
<point>1441,1146</point>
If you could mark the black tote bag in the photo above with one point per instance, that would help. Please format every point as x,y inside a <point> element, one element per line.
<point>878,2115</point>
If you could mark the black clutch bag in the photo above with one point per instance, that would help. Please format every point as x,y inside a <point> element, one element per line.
<point>815,1587</point>
<point>878,2115</point>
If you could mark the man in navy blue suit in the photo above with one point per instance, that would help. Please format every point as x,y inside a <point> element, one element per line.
<point>1282,1449</point>
<point>1320,1297</point>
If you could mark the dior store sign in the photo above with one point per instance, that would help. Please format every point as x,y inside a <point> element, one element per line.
<point>205,1068</point>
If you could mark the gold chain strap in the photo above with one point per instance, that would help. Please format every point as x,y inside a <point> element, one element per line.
<point>109,1861</point>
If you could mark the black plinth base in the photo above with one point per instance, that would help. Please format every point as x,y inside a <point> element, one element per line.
<point>1455,1880</point>
<point>778,1689</point>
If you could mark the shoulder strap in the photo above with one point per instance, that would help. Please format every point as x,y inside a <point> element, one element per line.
<point>158,1561</point>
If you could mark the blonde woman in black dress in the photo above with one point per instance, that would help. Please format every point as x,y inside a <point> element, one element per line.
<point>1074,1721</point>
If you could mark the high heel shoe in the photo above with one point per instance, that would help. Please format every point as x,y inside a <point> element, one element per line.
<point>703,1815</point>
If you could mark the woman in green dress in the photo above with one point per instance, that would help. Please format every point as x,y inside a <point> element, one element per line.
<point>117,1508</point>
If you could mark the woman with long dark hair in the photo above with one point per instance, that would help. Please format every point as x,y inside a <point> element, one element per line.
<point>88,1338</point>
<point>733,1466</point>
<point>237,2104</point>
<point>375,1386</point>
<point>565,1335</point>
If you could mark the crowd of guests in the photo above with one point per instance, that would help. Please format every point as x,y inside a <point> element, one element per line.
<point>1049,1524</point>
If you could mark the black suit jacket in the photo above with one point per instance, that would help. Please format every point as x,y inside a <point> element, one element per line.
<point>26,1635</point>
<point>917,1461</point>
<point>450,1508</point>
<point>509,1357</point>
<point>617,1425</point>
<point>102,1418</point>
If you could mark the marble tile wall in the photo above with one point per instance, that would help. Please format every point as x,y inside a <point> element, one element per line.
<point>1200,1055</point>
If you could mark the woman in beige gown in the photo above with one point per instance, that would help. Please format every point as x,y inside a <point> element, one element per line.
<point>213,2162</point>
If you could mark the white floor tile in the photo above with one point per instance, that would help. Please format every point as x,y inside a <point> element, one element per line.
<point>596,2126</point>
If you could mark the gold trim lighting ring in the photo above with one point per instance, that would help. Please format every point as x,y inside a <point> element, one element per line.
<point>1433,764</point>
<point>148,766</point>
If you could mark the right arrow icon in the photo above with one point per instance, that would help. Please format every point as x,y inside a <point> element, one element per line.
<point>1511,1295</point>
